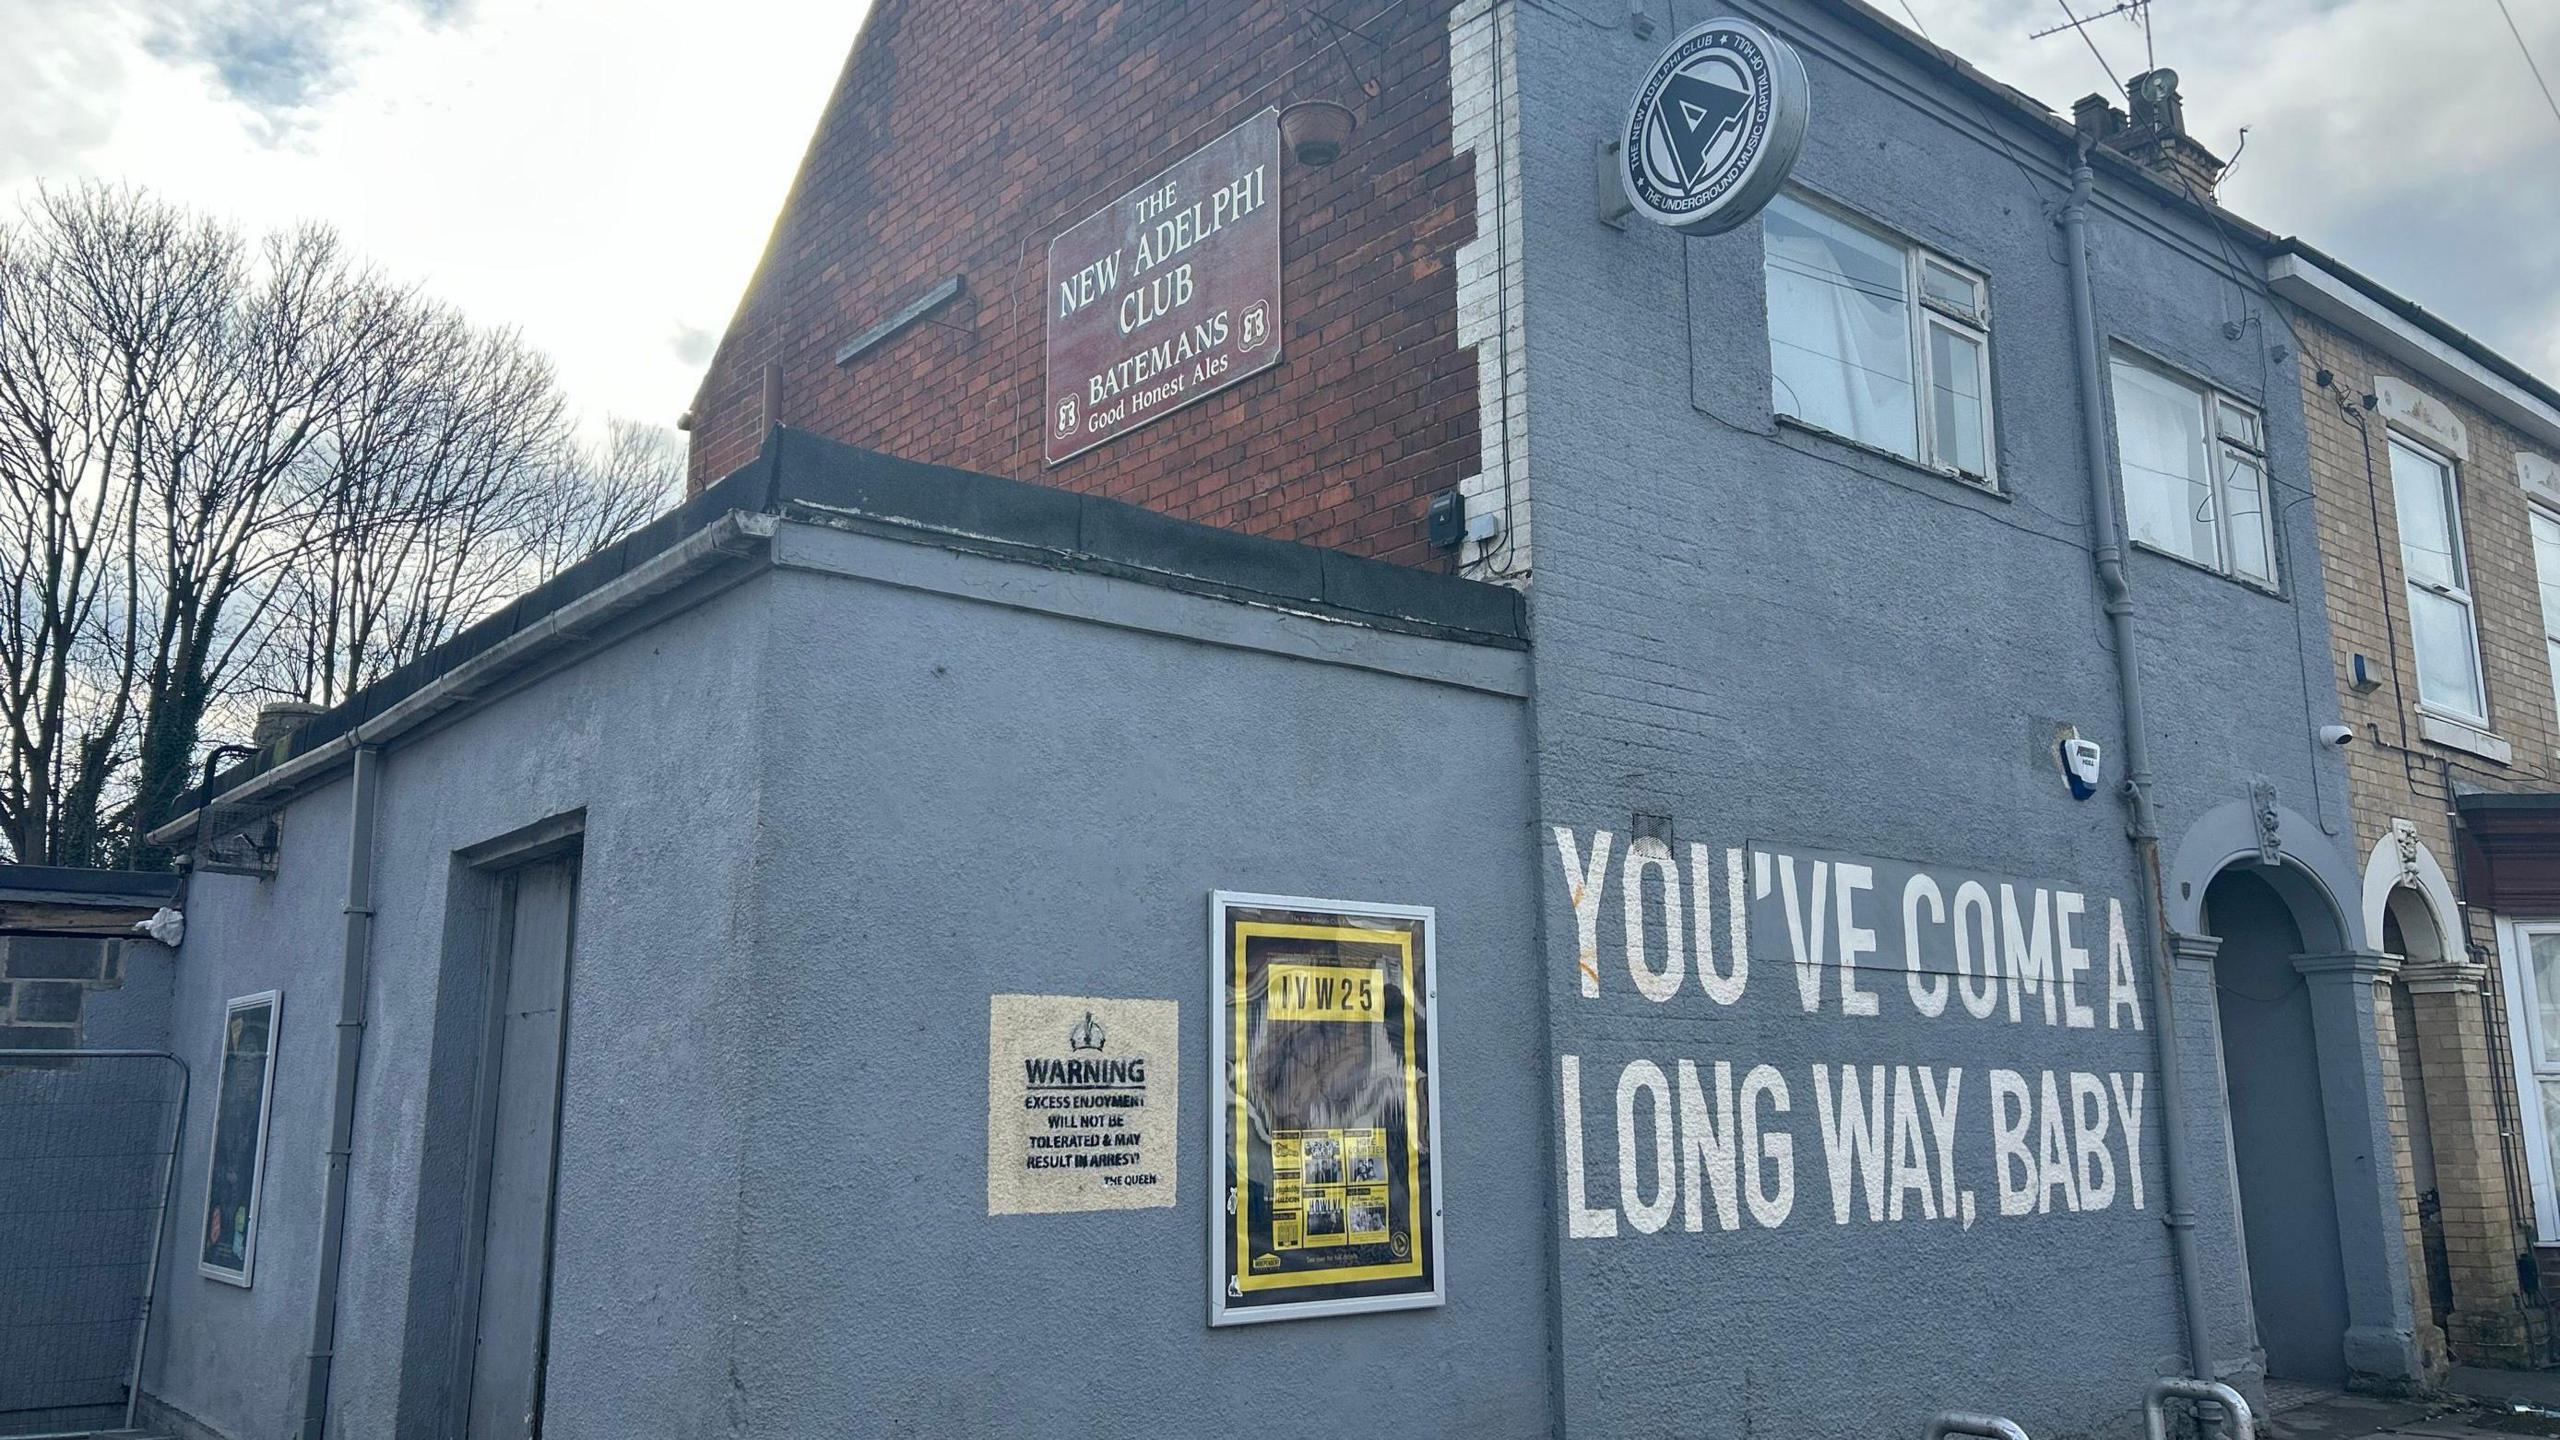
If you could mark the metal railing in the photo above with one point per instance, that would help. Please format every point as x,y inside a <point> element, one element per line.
<point>88,1152</point>
<point>2235,1411</point>
<point>1983,1427</point>
<point>2205,1394</point>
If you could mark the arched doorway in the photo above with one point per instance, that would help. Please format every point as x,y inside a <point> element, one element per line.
<point>2409,931</point>
<point>2279,1129</point>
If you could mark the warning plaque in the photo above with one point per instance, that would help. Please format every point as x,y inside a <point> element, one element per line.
<point>1082,1103</point>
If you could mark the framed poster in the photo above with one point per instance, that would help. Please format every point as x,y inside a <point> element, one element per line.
<point>241,1096</point>
<point>1325,1041</point>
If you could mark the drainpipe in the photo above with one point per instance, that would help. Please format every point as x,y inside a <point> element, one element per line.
<point>354,980</point>
<point>2144,827</point>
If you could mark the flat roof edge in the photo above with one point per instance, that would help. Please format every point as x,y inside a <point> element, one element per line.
<point>814,477</point>
<point>324,744</point>
<point>807,478</point>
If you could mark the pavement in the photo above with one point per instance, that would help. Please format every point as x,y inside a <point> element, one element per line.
<point>2474,1405</point>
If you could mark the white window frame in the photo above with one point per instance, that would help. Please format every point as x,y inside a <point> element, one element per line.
<point>2515,955</point>
<point>1970,323</point>
<point>273,1002</point>
<point>2537,515</point>
<point>2211,402</point>
<point>2460,593</point>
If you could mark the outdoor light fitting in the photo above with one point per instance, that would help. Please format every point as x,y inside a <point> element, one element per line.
<point>1316,130</point>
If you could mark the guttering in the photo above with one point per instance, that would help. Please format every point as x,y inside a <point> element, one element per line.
<point>355,979</point>
<point>2455,359</point>
<point>734,535</point>
<point>2108,551</point>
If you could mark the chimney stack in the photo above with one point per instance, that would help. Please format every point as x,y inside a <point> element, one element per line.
<point>2155,135</point>
<point>278,720</point>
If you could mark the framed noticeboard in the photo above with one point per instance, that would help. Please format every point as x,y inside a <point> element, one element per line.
<point>1325,1034</point>
<point>227,1234</point>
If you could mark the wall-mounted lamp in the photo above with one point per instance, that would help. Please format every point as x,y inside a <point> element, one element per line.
<point>1316,130</point>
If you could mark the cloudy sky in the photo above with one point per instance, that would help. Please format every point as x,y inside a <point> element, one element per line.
<point>2405,137</point>
<point>601,173</point>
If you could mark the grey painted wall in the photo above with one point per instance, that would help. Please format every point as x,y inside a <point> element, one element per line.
<point>650,739</point>
<point>967,798</point>
<point>828,813</point>
<point>1777,641</point>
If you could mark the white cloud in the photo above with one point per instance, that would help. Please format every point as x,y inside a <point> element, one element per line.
<point>599,174</point>
<point>602,174</point>
<point>2408,140</point>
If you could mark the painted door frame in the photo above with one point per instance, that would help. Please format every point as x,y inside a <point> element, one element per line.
<point>2515,953</point>
<point>496,864</point>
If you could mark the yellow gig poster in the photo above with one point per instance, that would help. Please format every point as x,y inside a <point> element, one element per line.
<point>1324,1018</point>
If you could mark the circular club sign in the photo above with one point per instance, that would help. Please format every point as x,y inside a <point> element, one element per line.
<point>1715,128</point>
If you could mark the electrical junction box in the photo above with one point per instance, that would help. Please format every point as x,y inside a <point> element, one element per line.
<point>1445,523</point>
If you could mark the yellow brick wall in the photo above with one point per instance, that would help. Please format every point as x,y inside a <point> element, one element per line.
<point>2394,773</point>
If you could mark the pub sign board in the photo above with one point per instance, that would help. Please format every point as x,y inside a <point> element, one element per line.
<point>1167,295</point>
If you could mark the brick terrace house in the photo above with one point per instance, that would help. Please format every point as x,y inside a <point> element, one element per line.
<point>2439,522</point>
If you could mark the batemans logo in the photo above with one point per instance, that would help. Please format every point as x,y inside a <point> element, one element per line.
<point>1715,128</point>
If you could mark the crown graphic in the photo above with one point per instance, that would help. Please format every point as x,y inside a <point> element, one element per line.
<point>1086,1034</point>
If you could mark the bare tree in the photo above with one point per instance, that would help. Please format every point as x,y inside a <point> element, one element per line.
<point>91,286</point>
<point>262,368</point>
<point>439,459</point>
<point>238,470</point>
<point>602,493</point>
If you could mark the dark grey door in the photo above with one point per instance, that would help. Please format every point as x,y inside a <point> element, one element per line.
<point>2279,1133</point>
<point>531,979</point>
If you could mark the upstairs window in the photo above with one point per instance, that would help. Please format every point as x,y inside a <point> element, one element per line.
<point>2432,564</point>
<point>1877,340</point>
<point>2546,569</point>
<point>2194,468</point>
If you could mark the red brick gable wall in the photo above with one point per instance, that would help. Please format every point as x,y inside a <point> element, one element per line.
<point>965,134</point>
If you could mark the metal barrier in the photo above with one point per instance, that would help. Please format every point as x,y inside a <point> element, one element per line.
<point>2155,1408</point>
<point>1985,1427</point>
<point>88,1150</point>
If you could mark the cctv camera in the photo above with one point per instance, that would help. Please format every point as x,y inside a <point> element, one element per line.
<point>2336,735</point>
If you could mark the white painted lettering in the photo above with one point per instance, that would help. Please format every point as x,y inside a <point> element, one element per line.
<point>2053,1148</point>
<point>1583,882</point>
<point>1910,1166</point>
<point>1771,1152</point>
<point>2027,950</point>
<point>1808,955</point>
<point>2129,1125</point>
<point>2067,907</point>
<point>1942,1129</point>
<point>2096,1168</point>
<point>2123,995</point>
<point>1974,945</point>
<point>1722,986</point>
<point>1929,993</point>
<point>1645,1078</point>
<point>1848,882</point>
<point>1648,853</point>
<point>1581,1222</point>
<point>1706,1148</point>
<point>1853,1133</point>
<point>2015,1161</point>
